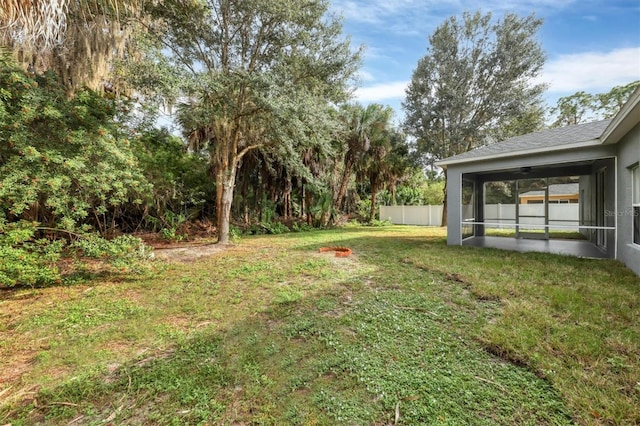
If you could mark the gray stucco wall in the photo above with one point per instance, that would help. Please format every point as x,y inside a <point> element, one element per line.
<point>588,204</point>
<point>456,171</point>
<point>628,156</point>
<point>454,213</point>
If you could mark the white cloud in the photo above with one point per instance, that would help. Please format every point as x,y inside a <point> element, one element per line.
<point>410,15</point>
<point>364,75</point>
<point>592,71</point>
<point>381,92</point>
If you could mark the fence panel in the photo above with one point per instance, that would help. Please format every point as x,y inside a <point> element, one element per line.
<point>412,215</point>
<point>563,216</point>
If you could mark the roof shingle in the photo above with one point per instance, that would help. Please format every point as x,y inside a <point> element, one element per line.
<point>538,140</point>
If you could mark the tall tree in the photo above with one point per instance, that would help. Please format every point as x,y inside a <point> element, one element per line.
<point>255,75</point>
<point>574,109</point>
<point>63,162</point>
<point>386,162</point>
<point>582,107</point>
<point>360,126</point>
<point>78,40</point>
<point>475,79</point>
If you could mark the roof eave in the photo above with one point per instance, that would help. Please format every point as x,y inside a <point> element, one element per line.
<point>593,142</point>
<point>625,120</point>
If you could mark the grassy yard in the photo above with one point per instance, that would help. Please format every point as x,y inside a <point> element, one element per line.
<point>269,331</point>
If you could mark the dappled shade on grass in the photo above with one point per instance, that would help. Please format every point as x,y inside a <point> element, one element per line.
<point>271,331</point>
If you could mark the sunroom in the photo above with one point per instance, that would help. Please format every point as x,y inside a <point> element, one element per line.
<point>551,191</point>
<point>573,190</point>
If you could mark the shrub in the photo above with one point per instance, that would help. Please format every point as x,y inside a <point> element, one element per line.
<point>31,261</point>
<point>63,161</point>
<point>24,260</point>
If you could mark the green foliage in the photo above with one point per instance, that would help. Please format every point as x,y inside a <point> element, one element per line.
<point>496,192</point>
<point>574,109</point>
<point>263,228</point>
<point>364,208</point>
<point>238,91</point>
<point>180,181</point>
<point>27,260</point>
<point>301,227</point>
<point>433,193</point>
<point>582,107</point>
<point>124,251</point>
<point>416,190</point>
<point>234,233</point>
<point>473,84</point>
<point>63,161</point>
<point>275,227</point>
<point>24,260</point>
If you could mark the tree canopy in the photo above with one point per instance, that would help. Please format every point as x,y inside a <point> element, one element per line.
<point>253,76</point>
<point>63,162</point>
<point>582,107</point>
<point>474,84</point>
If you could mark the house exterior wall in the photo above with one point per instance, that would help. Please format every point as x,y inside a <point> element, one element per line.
<point>628,156</point>
<point>532,199</point>
<point>454,209</point>
<point>456,172</point>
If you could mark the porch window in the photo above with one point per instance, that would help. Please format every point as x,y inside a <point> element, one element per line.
<point>635,212</point>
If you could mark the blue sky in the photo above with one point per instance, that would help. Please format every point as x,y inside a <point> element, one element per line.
<point>590,45</point>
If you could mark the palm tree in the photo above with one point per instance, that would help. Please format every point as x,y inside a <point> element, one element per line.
<point>77,40</point>
<point>385,164</point>
<point>361,125</point>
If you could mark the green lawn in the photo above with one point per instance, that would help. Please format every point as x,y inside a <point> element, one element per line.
<point>270,331</point>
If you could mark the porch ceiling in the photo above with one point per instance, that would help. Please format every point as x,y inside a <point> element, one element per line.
<point>551,170</point>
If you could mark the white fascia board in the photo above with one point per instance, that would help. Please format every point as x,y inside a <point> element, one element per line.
<point>624,121</point>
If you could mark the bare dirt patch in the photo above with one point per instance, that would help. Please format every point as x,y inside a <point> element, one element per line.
<point>198,246</point>
<point>187,254</point>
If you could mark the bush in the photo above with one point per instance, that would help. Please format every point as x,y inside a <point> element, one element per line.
<point>63,161</point>
<point>24,260</point>
<point>31,261</point>
<point>181,184</point>
<point>275,227</point>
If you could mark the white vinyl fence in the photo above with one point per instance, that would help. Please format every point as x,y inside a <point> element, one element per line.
<point>412,215</point>
<point>561,216</point>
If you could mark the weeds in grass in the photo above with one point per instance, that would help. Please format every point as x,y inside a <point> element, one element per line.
<point>407,330</point>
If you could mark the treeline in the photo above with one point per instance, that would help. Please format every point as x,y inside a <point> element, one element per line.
<point>77,168</point>
<point>268,140</point>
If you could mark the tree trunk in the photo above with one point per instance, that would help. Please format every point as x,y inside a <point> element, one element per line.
<point>286,199</point>
<point>343,185</point>
<point>393,194</point>
<point>224,186</point>
<point>308,205</point>
<point>374,199</point>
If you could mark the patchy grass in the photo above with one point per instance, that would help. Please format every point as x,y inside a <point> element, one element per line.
<point>405,331</point>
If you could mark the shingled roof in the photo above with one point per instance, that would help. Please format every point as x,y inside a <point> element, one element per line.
<point>549,138</point>
<point>556,189</point>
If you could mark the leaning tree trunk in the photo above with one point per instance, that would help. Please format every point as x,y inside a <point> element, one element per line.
<point>348,166</point>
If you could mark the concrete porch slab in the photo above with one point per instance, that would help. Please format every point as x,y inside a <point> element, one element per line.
<point>578,248</point>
